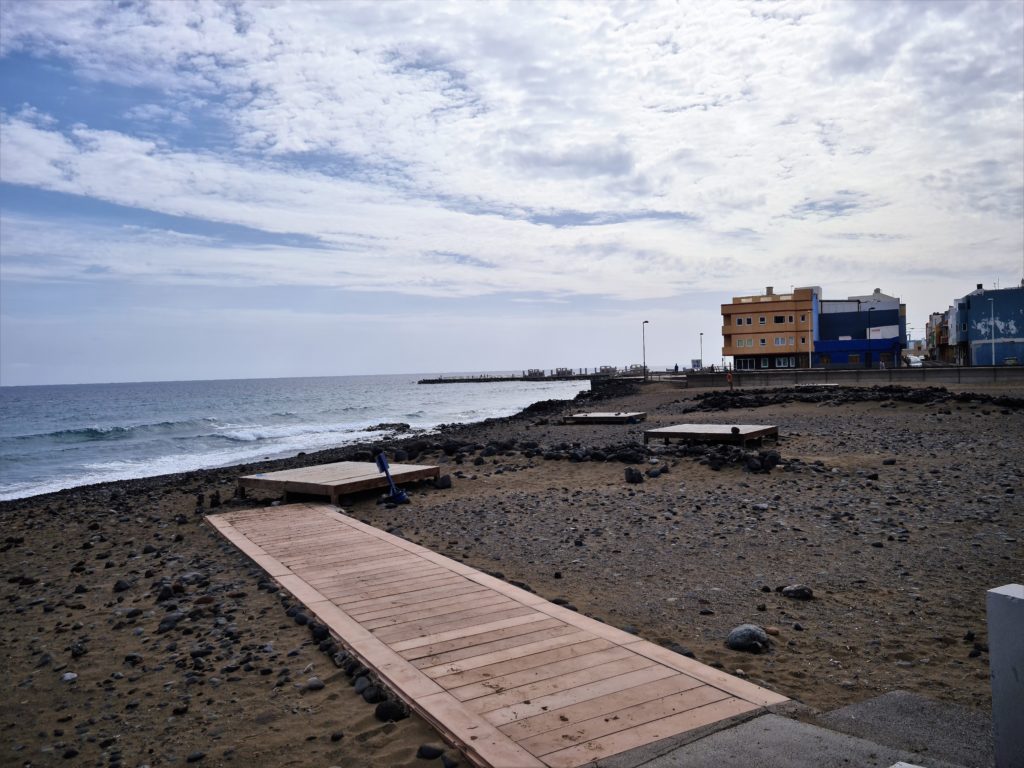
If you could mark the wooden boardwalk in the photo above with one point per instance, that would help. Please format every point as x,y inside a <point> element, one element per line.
<point>634,417</point>
<point>740,434</point>
<point>508,677</point>
<point>338,479</point>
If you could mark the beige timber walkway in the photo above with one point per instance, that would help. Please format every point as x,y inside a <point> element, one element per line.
<point>510,678</point>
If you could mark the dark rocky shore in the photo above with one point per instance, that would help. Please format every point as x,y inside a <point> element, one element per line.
<point>132,634</point>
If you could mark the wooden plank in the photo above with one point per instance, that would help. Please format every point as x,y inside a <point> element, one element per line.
<point>464,641</point>
<point>536,674</point>
<point>598,706</point>
<point>607,417</point>
<point>615,743</point>
<point>419,629</point>
<point>621,720</point>
<point>494,645</point>
<point>336,479</point>
<point>735,686</point>
<point>453,605</point>
<point>409,598</point>
<point>581,693</point>
<point>557,649</point>
<point>439,637</point>
<point>523,693</point>
<point>474,735</point>
<point>509,677</point>
<point>486,611</point>
<point>345,593</point>
<point>718,433</point>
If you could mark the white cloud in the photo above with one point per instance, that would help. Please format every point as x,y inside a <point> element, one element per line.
<point>394,132</point>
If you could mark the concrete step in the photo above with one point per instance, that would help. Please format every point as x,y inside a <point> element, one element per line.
<point>896,729</point>
<point>913,723</point>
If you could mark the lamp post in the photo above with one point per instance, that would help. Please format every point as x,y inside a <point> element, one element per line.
<point>643,341</point>
<point>992,306</point>
<point>702,350</point>
<point>867,335</point>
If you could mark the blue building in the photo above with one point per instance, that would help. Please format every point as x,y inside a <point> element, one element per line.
<point>861,332</point>
<point>986,327</point>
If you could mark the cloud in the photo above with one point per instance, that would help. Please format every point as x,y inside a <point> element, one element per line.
<point>473,148</point>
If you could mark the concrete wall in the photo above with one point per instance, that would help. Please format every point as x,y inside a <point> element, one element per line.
<point>866,377</point>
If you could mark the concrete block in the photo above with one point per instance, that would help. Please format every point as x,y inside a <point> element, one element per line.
<point>1005,606</point>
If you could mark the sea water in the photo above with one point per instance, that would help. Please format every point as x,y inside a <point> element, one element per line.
<point>54,437</point>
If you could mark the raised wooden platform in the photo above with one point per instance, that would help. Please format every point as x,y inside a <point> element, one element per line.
<point>634,417</point>
<point>739,434</point>
<point>508,677</point>
<point>336,480</point>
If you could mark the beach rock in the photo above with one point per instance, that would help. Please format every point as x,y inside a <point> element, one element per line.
<point>390,712</point>
<point>798,592</point>
<point>444,482</point>
<point>373,694</point>
<point>361,684</point>
<point>748,637</point>
<point>121,585</point>
<point>634,475</point>
<point>69,677</point>
<point>314,684</point>
<point>448,762</point>
<point>195,757</point>
<point>429,752</point>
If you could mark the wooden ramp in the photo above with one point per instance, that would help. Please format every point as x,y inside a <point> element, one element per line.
<point>510,678</point>
<point>606,418</point>
<point>740,434</point>
<point>336,480</point>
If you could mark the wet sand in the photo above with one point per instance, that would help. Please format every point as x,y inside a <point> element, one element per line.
<point>898,508</point>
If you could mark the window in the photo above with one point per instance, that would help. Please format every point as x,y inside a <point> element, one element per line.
<point>781,362</point>
<point>760,320</point>
<point>763,342</point>
<point>779,319</point>
<point>854,357</point>
<point>791,318</point>
<point>739,321</point>
<point>791,341</point>
<point>803,339</point>
<point>792,362</point>
<point>780,341</point>
<point>803,318</point>
<point>745,364</point>
<point>764,362</point>
<point>750,321</point>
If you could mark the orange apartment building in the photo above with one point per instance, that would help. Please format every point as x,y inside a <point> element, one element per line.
<point>771,331</point>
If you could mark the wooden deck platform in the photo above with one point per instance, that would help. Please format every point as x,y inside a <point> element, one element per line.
<point>739,434</point>
<point>634,417</point>
<point>336,480</point>
<point>508,677</point>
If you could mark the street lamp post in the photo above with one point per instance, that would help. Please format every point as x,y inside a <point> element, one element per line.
<point>702,350</point>
<point>867,335</point>
<point>992,335</point>
<point>643,341</point>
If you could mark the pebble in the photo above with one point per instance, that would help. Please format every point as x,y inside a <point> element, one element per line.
<point>748,637</point>
<point>69,677</point>
<point>798,592</point>
<point>429,752</point>
<point>390,712</point>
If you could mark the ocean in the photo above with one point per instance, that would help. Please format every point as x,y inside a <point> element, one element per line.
<point>62,436</point>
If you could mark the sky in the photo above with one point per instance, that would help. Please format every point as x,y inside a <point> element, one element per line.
<point>193,190</point>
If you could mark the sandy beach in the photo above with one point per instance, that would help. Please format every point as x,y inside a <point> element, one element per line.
<point>133,635</point>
